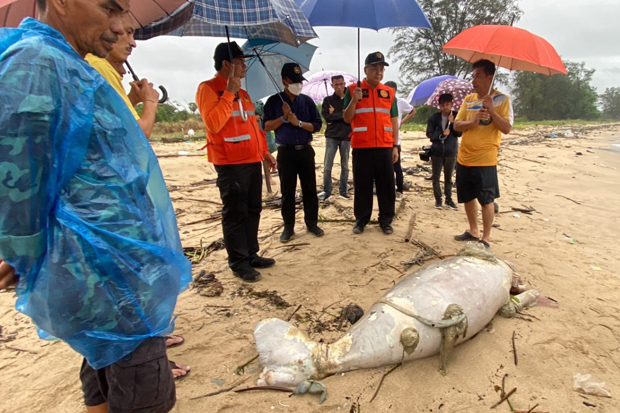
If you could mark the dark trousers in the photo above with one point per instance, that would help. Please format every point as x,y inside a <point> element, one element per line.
<point>241,192</point>
<point>447,165</point>
<point>373,165</point>
<point>291,164</point>
<point>399,173</point>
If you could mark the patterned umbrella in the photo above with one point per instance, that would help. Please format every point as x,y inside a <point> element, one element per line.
<point>276,20</point>
<point>319,85</point>
<point>458,88</point>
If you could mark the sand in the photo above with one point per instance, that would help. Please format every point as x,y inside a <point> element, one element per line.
<point>566,248</point>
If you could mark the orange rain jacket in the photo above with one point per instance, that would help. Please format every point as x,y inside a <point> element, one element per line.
<point>230,139</point>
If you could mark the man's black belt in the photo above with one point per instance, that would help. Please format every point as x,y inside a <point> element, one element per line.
<point>295,147</point>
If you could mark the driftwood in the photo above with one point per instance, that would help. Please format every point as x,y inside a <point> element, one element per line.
<point>410,229</point>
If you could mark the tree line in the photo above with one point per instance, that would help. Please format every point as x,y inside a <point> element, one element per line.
<point>535,96</point>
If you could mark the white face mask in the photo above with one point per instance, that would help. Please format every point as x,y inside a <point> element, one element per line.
<point>295,88</point>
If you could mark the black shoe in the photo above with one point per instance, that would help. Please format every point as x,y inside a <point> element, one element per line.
<point>315,230</point>
<point>387,229</point>
<point>438,205</point>
<point>287,234</point>
<point>344,196</point>
<point>450,204</point>
<point>261,262</point>
<point>247,274</point>
<point>358,229</point>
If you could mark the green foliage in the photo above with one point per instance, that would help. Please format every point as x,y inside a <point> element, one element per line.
<point>170,112</point>
<point>610,101</point>
<point>192,106</point>
<point>538,97</point>
<point>419,50</point>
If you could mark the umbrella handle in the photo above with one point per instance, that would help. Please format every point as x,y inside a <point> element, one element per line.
<point>164,92</point>
<point>359,82</point>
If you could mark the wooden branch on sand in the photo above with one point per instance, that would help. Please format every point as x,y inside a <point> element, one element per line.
<point>577,202</point>
<point>410,229</point>
<point>503,399</point>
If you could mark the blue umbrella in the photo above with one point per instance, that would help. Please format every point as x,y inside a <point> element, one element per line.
<point>420,94</point>
<point>371,14</point>
<point>264,81</point>
<point>277,20</point>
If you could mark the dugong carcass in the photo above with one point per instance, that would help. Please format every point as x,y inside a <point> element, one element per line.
<point>429,311</point>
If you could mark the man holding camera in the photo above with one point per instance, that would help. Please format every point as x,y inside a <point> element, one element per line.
<point>484,116</point>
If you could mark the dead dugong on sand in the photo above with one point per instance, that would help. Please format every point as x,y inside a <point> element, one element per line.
<point>430,311</point>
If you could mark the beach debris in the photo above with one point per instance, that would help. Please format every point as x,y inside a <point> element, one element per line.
<point>197,254</point>
<point>271,297</point>
<point>577,202</point>
<point>351,313</point>
<point>514,349</point>
<point>504,398</point>
<point>584,383</point>
<point>438,291</point>
<point>312,387</point>
<point>410,228</point>
<point>207,285</point>
<point>385,374</point>
<point>516,215</point>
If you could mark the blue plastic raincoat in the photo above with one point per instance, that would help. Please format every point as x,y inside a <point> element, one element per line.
<point>85,216</point>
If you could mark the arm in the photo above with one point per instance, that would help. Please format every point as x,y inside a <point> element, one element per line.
<point>433,132</point>
<point>395,132</point>
<point>143,91</point>
<point>350,103</point>
<point>325,111</point>
<point>497,119</point>
<point>215,110</point>
<point>273,119</point>
<point>409,116</point>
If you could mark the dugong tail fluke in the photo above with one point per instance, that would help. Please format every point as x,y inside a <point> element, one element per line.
<point>428,312</point>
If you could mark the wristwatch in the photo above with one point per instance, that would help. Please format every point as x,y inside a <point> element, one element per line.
<point>301,124</point>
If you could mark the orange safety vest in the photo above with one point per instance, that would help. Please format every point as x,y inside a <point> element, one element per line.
<point>371,126</point>
<point>241,140</point>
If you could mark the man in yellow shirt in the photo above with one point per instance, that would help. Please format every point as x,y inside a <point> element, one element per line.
<point>484,116</point>
<point>112,69</point>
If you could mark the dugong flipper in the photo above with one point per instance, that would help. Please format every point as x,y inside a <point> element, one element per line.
<point>429,311</point>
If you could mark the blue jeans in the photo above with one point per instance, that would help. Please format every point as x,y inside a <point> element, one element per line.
<point>331,146</point>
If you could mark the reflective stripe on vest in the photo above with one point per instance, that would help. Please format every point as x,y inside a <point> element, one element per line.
<point>238,138</point>
<point>385,128</point>
<point>364,110</point>
<point>382,110</point>
<point>238,113</point>
<point>360,129</point>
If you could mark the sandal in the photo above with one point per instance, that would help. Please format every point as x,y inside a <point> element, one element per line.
<point>179,371</point>
<point>465,236</point>
<point>486,244</point>
<point>173,341</point>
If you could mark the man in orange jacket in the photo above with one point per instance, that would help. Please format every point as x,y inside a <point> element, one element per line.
<point>236,147</point>
<point>373,114</point>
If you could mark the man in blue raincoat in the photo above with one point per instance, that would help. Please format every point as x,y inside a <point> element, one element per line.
<point>87,229</point>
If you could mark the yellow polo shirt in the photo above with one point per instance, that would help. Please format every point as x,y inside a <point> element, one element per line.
<point>479,144</point>
<point>113,77</point>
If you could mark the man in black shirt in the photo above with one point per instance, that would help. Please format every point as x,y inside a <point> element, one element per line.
<point>294,117</point>
<point>336,139</point>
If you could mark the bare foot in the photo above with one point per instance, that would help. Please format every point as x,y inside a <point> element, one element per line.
<point>179,370</point>
<point>173,341</point>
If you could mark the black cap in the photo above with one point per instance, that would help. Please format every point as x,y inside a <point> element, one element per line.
<point>293,72</point>
<point>375,58</point>
<point>222,53</point>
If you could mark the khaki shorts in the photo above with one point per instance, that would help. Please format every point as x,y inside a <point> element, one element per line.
<point>140,382</point>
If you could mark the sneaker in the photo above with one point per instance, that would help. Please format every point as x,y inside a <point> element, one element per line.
<point>438,205</point>
<point>318,232</point>
<point>358,229</point>
<point>261,262</point>
<point>452,205</point>
<point>387,229</point>
<point>399,196</point>
<point>344,196</point>
<point>287,234</point>
<point>323,196</point>
<point>248,274</point>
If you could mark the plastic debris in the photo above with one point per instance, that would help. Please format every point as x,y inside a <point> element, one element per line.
<point>583,383</point>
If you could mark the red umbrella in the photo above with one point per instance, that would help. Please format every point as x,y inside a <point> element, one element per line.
<point>144,12</point>
<point>508,47</point>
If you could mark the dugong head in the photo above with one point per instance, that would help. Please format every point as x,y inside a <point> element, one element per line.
<point>285,351</point>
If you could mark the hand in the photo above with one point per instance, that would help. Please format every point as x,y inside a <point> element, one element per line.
<point>143,91</point>
<point>357,94</point>
<point>451,118</point>
<point>487,103</point>
<point>292,118</point>
<point>7,275</point>
<point>394,155</point>
<point>446,132</point>
<point>271,162</point>
<point>286,109</point>
<point>483,114</point>
<point>331,109</point>
<point>234,83</point>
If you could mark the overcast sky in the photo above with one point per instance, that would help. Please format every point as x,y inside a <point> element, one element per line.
<point>579,30</point>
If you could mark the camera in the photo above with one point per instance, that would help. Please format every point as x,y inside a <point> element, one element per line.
<point>425,155</point>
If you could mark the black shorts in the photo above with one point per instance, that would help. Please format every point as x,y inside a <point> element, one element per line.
<point>476,182</point>
<point>140,382</point>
